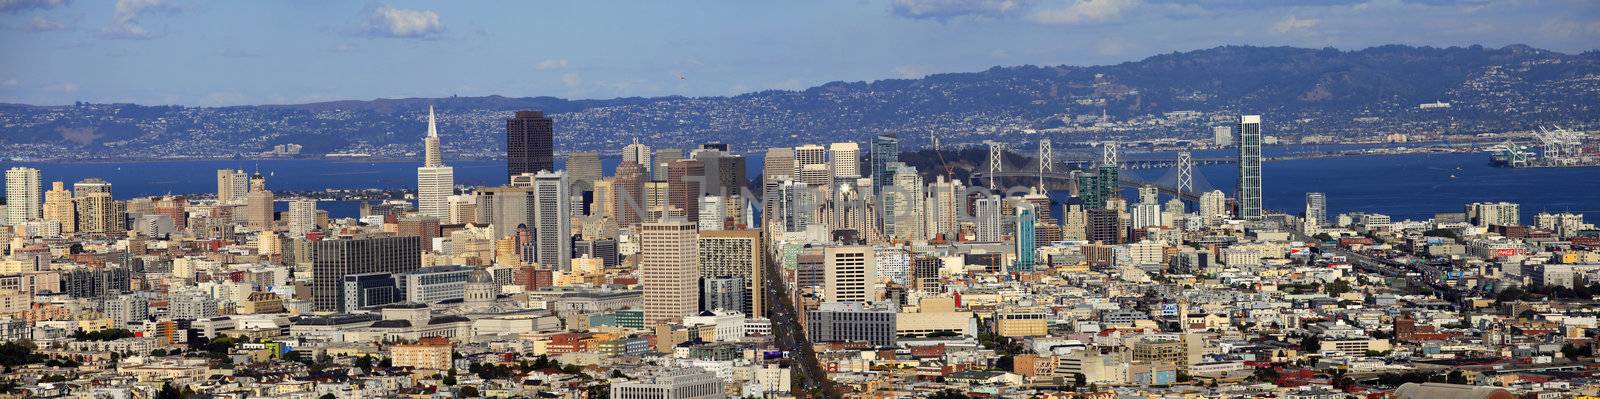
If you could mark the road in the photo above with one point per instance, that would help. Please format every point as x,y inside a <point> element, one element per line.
<point>790,337</point>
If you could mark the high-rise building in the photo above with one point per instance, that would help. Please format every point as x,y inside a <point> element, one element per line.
<point>1222,136</point>
<point>713,214</point>
<point>505,208</point>
<point>97,212</point>
<point>1485,214</point>
<point>851,274</point>
<point>1022,239</point>
<point>664,157</point>
<point>685,178</point>
<point>846,159</point>
<point>1102,225</point>
<point>552,221</point>
<point>258,204</point>
<point>435,181</point>
<point>627,191</point>
<point>1316,209</point>
<point>1147,212</point>
<point>333,259</point>
<point>1214,207</point>
<point>737,254</point>
<point>425,228</point>
<point>885,150</point>
<point>23,195</point>
<point>1249,134</point>
<point>232,185</point>
<point>530,143</point>
<point>175,208</point>
<point>945,205</point>
<point>638,153</point>
<point>809,154</point>
<point>793,206</point>
<point>302,217</point>
<point>669,270</point>
<point>902,202</point>
<point>59,207</point>
<point>583,169</point>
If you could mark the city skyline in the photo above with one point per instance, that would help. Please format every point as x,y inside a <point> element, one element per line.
<point>728,49</point>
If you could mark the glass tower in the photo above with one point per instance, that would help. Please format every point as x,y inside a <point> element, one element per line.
<point>1249,140</point>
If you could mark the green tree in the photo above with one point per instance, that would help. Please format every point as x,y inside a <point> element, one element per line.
<point>469,392</point>
<point>327,396</point>
<point>948,394</point>
<point>1311,344</point>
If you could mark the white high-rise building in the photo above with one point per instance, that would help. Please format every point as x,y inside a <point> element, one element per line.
<point>552,217</point>
<point>302,216</point>
<point>669,270</point>
<point>712,213</point>
<point>1214,207</point>
<point>1148,211</point>
<point>232,185</point>
<point>809,154</point>
<point>639,154</point>
<point>24,195</point>
<point>851,274</point>
<point>988,223</point>
<point>846,159</point>
<point>1316,209</point>
<point>1222,136</point>
<point>435,181</point>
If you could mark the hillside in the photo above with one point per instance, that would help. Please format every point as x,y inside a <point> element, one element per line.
<point>1301,91</point>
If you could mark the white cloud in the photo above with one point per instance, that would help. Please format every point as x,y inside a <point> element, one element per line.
<point>571,80</point>
<point>947,9</point>
<point>16,6</point>
<point>1293,23</point>
<point>41,23</point>
<point>8,83</point>
<point>64,87</point>
<point>910,72</point>
<point>552,64</point>
<point>386,21</point>
<point>126,21</point>
<point>1084,12</point>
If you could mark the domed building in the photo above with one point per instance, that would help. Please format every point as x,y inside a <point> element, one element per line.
<point>480,288</point>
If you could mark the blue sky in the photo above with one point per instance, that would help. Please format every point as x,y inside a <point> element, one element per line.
<point>258,52</point>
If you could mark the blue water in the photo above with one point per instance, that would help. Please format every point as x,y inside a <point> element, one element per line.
<point>1404,186</point>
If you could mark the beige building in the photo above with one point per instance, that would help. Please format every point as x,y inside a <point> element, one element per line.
<point>851,274</point>
<point>669,271</point>
<point>735,253</point>
<point>58,207</point>
<point>432,353</point>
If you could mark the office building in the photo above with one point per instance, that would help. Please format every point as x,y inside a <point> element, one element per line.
<point>258,206</point>
<point>23,195</point>
<point>583,169</point>
<point>671,383</point>
<point>97,212</point>
<point>430,285</point>
<point>627,192</point>
<point>852,322</point>
<point>685,178</point>
<point>713,214</point>
<point>1222,136</point>
<point>1249,139</point>
<point>846,159</point>
<point>333,259</point>
<point>530,143</point>
<point>669,270</point>
<point>851,274</point>
<point>737,254</point>
<point>638,153</point>
<point>1485,214</point>
<point>987,223</point>
<point>723,294</point>
<point>603,249</point>
<point>885,150</point>
<point>232,185</point>
<point>552,221</point>
<point>435,181</point>
<point>1022,239</point>
<point>664,157</point>
<point>1316,209</point>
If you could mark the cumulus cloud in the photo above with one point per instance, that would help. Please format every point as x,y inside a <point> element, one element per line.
<point>559,63</point>
<point>386,21</point>
<point>947,9</point>
<point>127,20</point>
<point>41,23</point>
<point>16,6</point>
<point>1293,23</point>
<point>1083,12</point>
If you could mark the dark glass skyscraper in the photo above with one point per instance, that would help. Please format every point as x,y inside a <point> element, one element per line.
<point>1249,139</point>
<point>530,143</point>
<point>885,150</point>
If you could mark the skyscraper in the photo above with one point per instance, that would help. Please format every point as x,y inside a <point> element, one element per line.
<point>846,159</point>
<point>23,192</point>
<point>627,190</point>
<point>664,157</point>
<point>1022,239</point>
<point>552,221</point>
<point>669,270</point>
<point>232,185</point>
<point>713,214</point>
<point>1214,207</point>
<point>1249,139</point>
<point>987,224</point>
<point>59,207</point>
<point>258,204</point>
<point>435,181</point>
<point>638,153</point>
<point>885,150</point>
<point>333,259</point>
<point>97,212</point>
<point>685,179</point>
<point>583,169</point>
<point>530,143</point>
<point>302,217</point>
<point>1147,212</point>
<point>738,254</point>
<point>1222,136</point>
<point>1316,209</point>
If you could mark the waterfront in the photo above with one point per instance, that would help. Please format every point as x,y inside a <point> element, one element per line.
<point>1413,186</point>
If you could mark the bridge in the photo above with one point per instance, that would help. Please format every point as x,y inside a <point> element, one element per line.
<point>1179,183</point>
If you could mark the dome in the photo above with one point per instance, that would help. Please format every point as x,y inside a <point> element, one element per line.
<point>480,276</point>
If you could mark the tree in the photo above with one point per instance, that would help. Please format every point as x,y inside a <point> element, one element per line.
<point>1078,380</point>
<point>450,378</point>
<point>364,362</point>
<point>948,394</point>
<point>327,396</point>
<point>469,392</point>
<point>1337,287</point>
<point>1311,344</point>
<point>601,391</point>
<point>1456,377</point>
<point>1509,294</point>
<point>168,392</point>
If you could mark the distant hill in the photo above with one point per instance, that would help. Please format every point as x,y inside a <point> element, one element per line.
<point>1300,91</point>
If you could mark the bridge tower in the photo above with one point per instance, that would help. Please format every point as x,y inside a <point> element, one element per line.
<point>1108,154</point>
<point>996,152</point>
<point>1185,172</point>
<point>1046,161</point>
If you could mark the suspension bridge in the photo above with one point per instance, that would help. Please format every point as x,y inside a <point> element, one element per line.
<point>1047,173</point>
